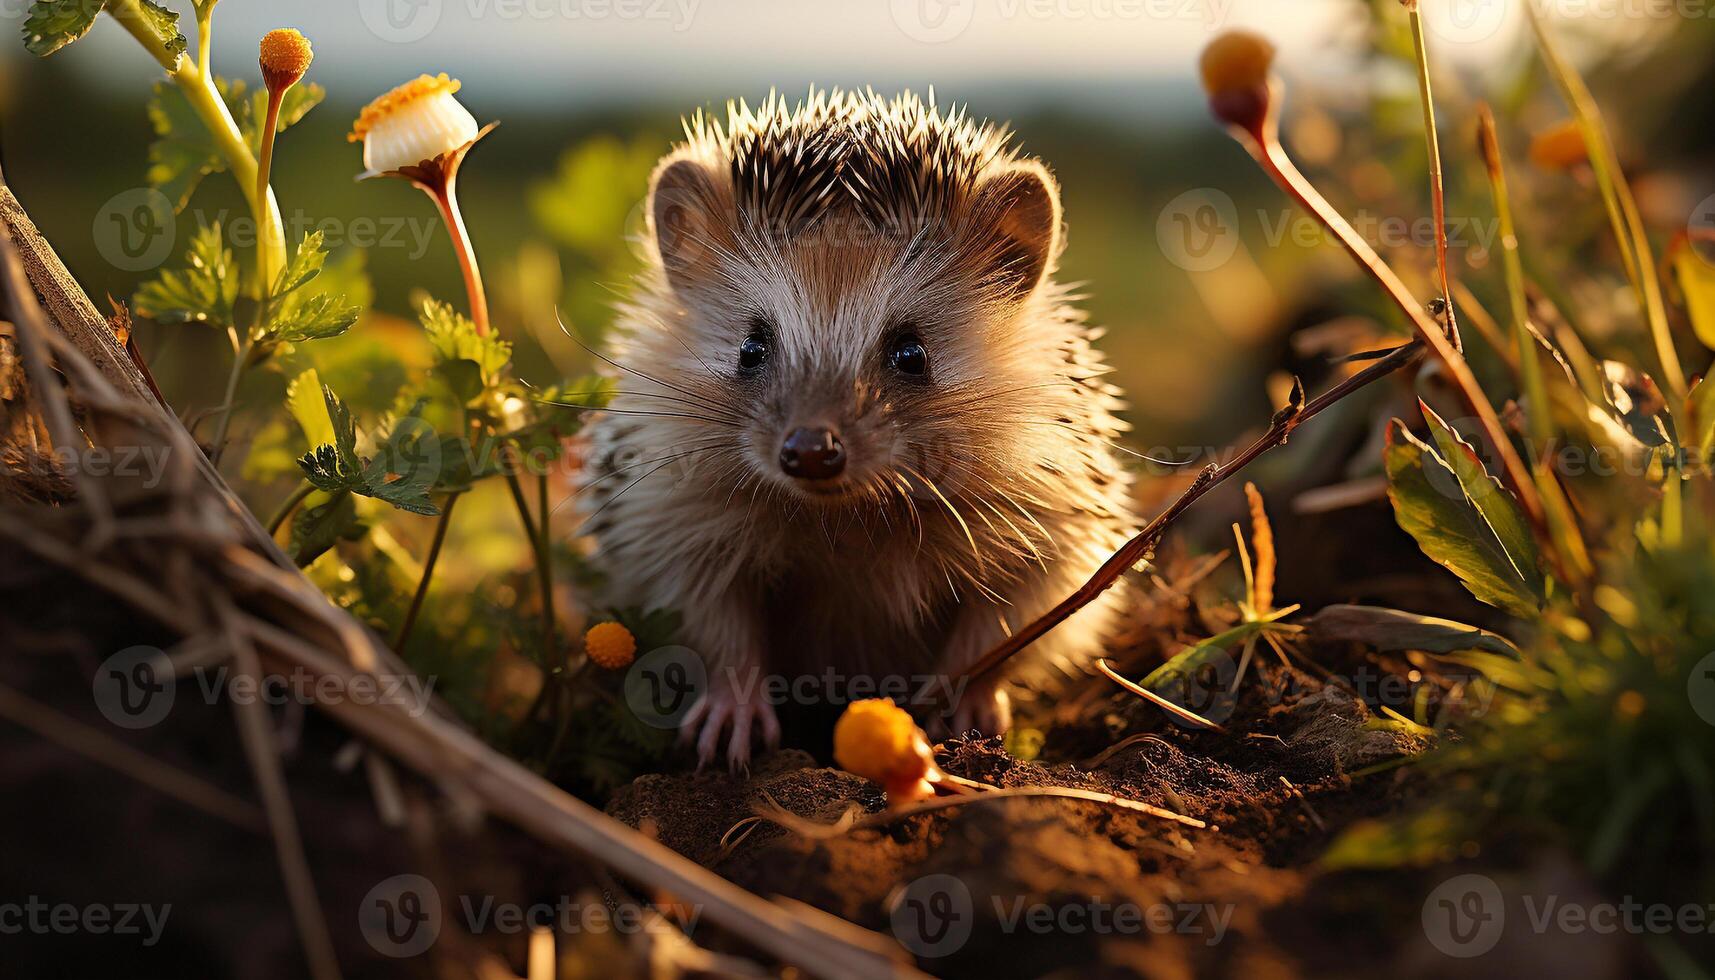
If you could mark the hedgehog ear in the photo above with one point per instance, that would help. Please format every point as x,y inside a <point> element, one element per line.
<point>1018,210</point>
<point>684,204</point>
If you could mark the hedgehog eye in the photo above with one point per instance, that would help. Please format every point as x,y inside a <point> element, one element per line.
<point>908,355</point>
<point>755,349</point>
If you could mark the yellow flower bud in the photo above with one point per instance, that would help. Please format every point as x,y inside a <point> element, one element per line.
<point>877,740</point>
<point>610,646</point>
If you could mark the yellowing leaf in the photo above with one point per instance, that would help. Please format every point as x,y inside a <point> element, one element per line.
<point>1697,288</point>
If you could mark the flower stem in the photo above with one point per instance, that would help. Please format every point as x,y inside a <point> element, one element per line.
<point>197,84</point>
<point>446,198</point>
<point>1437,195</point>
<point>1566,538</point>
<point>1274,160</point>
<point>1622,209</point>
<point>264,280</point>
<point>1212,476</point>
<point>544,568</point>
<point>290,504</point>
<point>428,573</point>
<point>239,359</point>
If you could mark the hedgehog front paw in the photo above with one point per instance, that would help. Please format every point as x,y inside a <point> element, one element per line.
<point>983,707</point>
<point>722,707</point>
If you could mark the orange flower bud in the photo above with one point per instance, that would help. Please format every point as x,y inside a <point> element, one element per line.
<point>877,740</point>
<point>1235,68</point>
<point>1559,147</point>
<point>285,57</point>
<point>610,646</point>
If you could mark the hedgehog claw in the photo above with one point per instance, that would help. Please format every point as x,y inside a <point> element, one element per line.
<point>714,712</point>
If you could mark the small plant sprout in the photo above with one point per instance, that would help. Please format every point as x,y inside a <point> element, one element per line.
<point>1167,686</point>
<point>610,646</point>
<point>420,132</point>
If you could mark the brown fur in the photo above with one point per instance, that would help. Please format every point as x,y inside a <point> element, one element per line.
<point>974,498</point>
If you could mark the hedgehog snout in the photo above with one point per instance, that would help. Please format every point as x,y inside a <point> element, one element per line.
<point>812,453</point>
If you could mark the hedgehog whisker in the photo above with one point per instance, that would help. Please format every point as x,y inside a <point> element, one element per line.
<point>591,485</point>
<point>656,469</point>
<point>728,423</point>
<point>623,367</point>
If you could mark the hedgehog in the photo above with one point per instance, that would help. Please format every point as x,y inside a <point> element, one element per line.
<point>860,431</point>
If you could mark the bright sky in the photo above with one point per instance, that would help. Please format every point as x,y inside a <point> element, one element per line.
<point>578,52</point>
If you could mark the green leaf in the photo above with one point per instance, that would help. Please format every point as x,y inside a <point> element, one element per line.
<point>335,465</point>
<point>314,317</point>
<point>1394,629</point>
<point>204,291</point>
<point>165,23</point>
<point>183,152</point>
<point>468,361</point>
<point>1412,841</point>
<point>1430,505</point>
<point>316,529</point>
<point>53,24</point>
<point>400,475</point>
<point>1197,678</point>
<point>306,264</point>
<point>251,113</point>
<point>1498,506</point>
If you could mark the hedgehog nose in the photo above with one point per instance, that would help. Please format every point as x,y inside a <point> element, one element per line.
<point>812,454</point>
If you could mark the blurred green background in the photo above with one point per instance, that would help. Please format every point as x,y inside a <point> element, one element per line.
<point>590,93</point>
